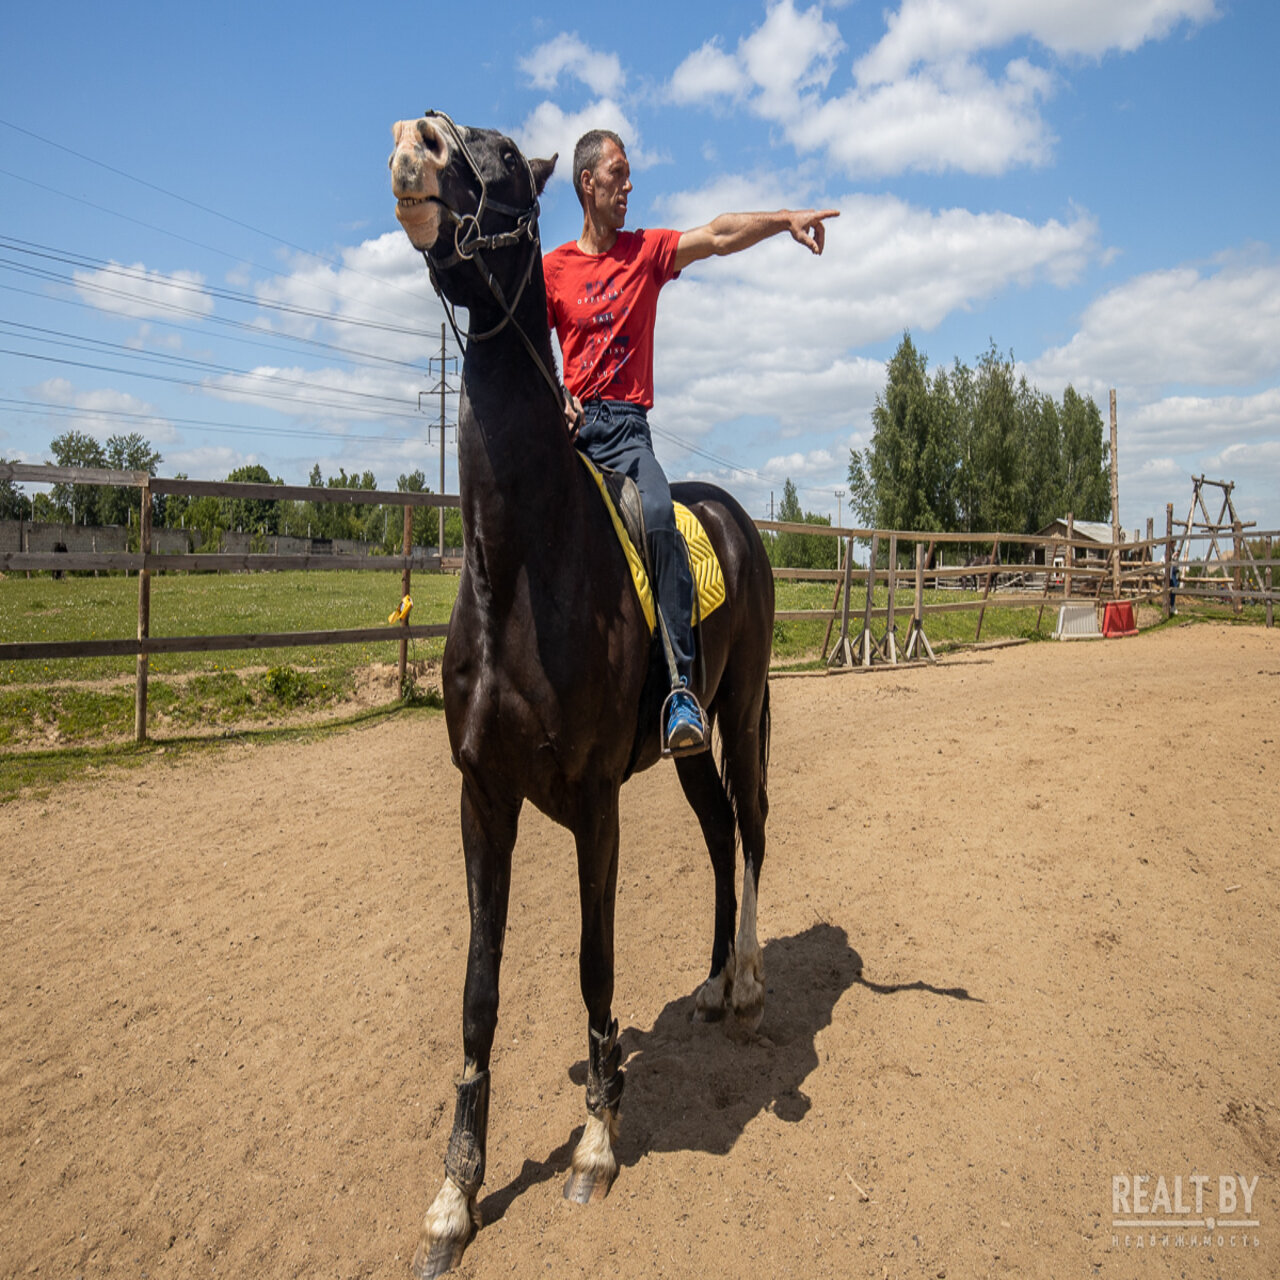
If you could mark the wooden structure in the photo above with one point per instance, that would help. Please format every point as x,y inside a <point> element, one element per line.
<point>1213,572</point>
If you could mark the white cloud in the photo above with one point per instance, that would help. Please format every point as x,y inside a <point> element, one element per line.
<point>708,73</point>
<point>1181,326</point>
<point>921,99</point>
<point>142,294</point>
<point>934,31</point>
<point>953,118</point>
<point>382,280</point>
<point>601,72</point>
<point>550,130</point>
<point>98,410</point>
<point>774,333</point>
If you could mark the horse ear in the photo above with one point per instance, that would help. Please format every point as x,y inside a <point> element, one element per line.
<point>542,170</point>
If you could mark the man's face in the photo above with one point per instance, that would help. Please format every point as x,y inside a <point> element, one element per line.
<point>609,185</point>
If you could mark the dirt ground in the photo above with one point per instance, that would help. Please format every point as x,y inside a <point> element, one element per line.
<point>1020,922</point>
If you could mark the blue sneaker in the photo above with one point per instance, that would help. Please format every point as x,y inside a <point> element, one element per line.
<point>685,730</point>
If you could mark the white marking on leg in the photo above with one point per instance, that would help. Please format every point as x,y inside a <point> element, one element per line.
<point>593,1155</point>
<point>748,979</point>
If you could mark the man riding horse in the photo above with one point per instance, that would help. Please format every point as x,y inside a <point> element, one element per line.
<point>602,298</point>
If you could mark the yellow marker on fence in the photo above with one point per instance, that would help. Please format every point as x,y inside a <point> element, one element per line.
<point>402,612</point>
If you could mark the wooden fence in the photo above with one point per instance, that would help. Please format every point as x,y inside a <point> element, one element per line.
<point>1129,571</point>
<point>145,562</point>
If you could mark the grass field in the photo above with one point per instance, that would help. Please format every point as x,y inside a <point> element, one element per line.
<point>55,708</point>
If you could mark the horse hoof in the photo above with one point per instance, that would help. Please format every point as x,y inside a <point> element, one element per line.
<point>587,1186</point>
<point>436,1257</point>
<point>708,1005</point>
<point>594,1166</point>
<point>450,1224</point>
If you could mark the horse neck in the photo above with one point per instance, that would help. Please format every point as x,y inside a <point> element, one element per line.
<point>515,461</point>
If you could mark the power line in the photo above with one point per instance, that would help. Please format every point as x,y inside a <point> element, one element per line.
<point>173,195</point>
<point>67,411</point>
<point>78,342</point>
<point>348,355</point>
<point>308,401</point>
<point>35,250</point>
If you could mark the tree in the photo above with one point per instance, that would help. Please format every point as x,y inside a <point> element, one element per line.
<point>77,503</point>
<point>125,453</point>
<point>1086,459</point>
<point>998,445</point>
<point>976,450</point>
<point>252,515</point>
<point>14,504</point>
<point>905,478</point>
<point>798,550</point>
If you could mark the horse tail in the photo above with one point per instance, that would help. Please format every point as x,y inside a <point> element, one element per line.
<point>766,728</point>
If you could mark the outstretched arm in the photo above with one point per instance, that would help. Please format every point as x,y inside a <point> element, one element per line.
<point>733,232</point>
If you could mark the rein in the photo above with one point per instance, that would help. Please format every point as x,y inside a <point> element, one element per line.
<point>469,240</point>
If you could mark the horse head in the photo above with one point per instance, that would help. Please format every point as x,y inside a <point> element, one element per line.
<point>461,193</point>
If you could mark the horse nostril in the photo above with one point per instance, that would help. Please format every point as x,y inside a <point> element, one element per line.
<point>434,141</point>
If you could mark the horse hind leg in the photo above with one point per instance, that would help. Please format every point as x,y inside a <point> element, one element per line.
<point>746,757</point>
<point>706,795</point>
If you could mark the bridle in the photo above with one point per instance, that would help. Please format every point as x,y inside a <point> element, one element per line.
<point>471,242</point>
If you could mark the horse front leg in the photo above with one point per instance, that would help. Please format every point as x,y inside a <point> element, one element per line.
<point>594,1164</point>
<point>488,837</point>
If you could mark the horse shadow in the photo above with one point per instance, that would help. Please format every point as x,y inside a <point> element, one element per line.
<point>694,1086</point>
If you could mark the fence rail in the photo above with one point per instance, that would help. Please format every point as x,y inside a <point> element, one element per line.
<point>1115,571</point>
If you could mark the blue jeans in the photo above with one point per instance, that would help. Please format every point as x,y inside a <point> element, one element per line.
<point>615,434</point>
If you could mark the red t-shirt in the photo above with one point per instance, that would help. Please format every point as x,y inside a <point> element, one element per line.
<point>603,308</point>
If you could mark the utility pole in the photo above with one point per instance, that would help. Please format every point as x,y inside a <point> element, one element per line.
<point>444,389</point>
<point>1115,506</point>
<point>839,499</point>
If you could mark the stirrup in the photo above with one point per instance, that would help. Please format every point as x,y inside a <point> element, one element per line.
<point>694,719</point>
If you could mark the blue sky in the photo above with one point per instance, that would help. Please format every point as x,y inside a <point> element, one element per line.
<point>199,194</point>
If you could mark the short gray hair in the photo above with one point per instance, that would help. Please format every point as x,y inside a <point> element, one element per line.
<point>586,155</point>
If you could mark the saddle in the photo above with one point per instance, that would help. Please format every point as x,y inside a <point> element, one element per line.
<point>622,500</point>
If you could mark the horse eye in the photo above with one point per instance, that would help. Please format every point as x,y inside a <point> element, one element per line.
<point>509,159</point>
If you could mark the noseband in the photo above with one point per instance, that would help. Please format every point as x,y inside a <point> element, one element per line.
<point>470,242</point>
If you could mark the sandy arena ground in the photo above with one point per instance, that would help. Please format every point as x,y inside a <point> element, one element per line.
<point>1021,923</point>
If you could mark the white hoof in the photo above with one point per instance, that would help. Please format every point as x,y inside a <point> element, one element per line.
<point>446,1231</point>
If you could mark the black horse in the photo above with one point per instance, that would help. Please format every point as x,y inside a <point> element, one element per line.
<point>548,670</point>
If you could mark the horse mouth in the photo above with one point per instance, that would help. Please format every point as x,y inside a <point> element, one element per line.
<point>420,221</point>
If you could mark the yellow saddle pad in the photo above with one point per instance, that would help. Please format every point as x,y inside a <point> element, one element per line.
<point>708,578</point>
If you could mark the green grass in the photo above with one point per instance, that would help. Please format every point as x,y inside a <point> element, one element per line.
<point>74,703</point>
<point>79,608</point>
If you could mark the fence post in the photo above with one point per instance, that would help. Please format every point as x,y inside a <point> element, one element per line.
<point>144,615</point>
<point>1069,559</point>
<point>890,641</point>
<point>1269,601</point>
<point>1237,555</point>
<point>993,568</point>
<point>866,645</point>
<point>1168,560</point>
<point>404,589</point>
